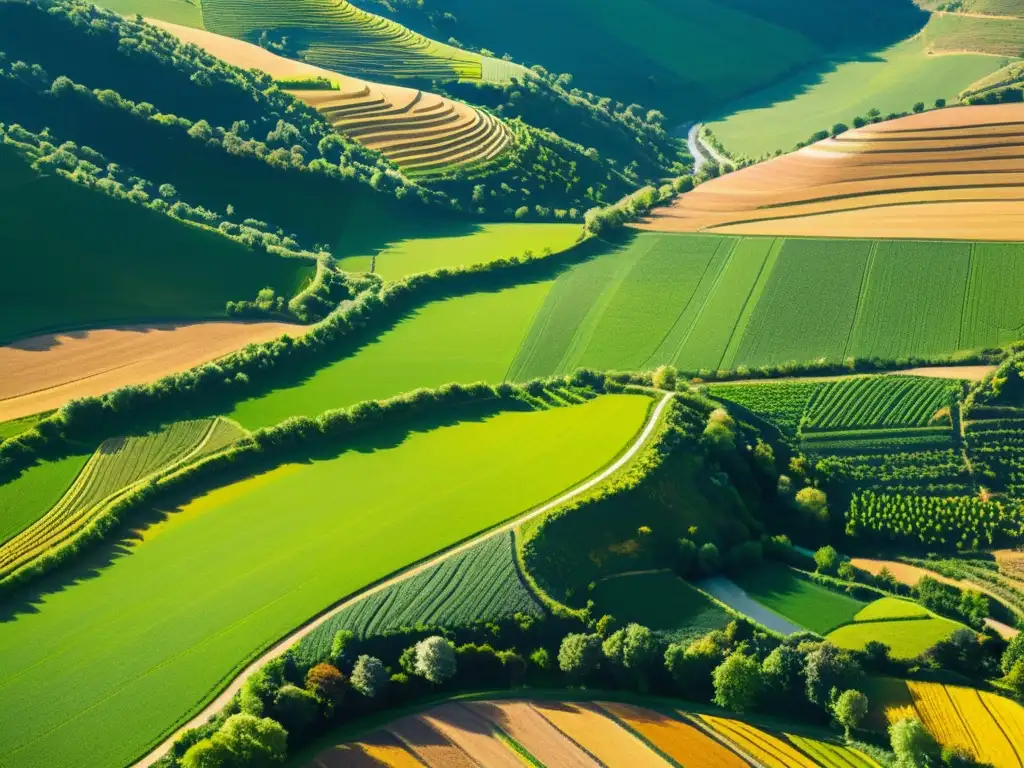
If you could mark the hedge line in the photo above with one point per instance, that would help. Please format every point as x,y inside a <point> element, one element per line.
<point>290,440</point>
<point>93,419</point>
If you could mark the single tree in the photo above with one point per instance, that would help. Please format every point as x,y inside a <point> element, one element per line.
<point>579,655</point>
<point>435,659</point>
<point>826,559</point>
<point>911,743</point>
<point>813,503</point>
<point>295,708</point>
<point>665,377</point>
<point>737,682</point>
<point>850,708</point>
<point>369,676</point>
<point>828,668</point>
<point>326,682</point>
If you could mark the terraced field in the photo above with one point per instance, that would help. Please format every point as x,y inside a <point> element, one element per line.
<point>337,35</point>
<point>511,732</point>
<point>190,598</point>
<point>417,130</point>
<point>958,33</point>
<point>953,173</point>
<point>988,726</point>
<point>118,466</point>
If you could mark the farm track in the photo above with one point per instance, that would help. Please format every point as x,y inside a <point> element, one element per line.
<point>287,642</point>
<point>417,130</point>
<point>945,174</point>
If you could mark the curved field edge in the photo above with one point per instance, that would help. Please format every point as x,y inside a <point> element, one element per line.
<point>222,678</point>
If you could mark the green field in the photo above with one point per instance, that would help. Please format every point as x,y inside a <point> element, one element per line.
<point>458,245</point>
<point>695,301</point>
<point>867,402</point>
<point>147,638</point>
<point>954,32</point>
<point>14,427</point>
<point>891,80</point>
<point>661,601</point>
<point>907,632</point>
<point>891,609</point>
<point>782,403</point>
<point>111,261</point>
<point>778,588</point>
<point>480,584</point>
<point>185,12</point>
<point>118,464</point>
<point>30,496</point>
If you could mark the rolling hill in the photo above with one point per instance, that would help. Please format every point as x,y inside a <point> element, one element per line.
<point>417,130</point>
<point>955,173</point>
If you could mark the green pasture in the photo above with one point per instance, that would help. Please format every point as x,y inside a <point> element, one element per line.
<point>906,638</point>
<point>467,339</point>
<point>30,496</point>
<point>659,600</point>
<point>955,32</point>
<point>695,301</point>
<point>15,427</point>
<point>432,246</point>
<point>185,12</point>
<point>150,631</point>
<point>104,261</point>
<point>802,602</point>
<point>815,99</point>
<point>891,609</point>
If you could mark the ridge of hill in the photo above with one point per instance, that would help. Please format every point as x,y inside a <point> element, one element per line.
<point>955,173</point>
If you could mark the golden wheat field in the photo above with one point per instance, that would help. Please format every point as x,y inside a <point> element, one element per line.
<point>989,726</point>
<point>419,131</point>
<point>954,173</point>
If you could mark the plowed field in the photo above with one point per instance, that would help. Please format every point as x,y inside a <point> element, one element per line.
<point>946,174</point>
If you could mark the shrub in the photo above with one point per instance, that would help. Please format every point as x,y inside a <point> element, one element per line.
<point>243,740</point>
<point>826,559</point>
<point>579,655</point>
<point>369,676</point>
<point>911,743</point>
<point>295,708</point>
<point>737,682</point>
<point>435,659</point>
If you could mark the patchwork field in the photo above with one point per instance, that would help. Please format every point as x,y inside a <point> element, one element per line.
<point>95,275</point>
<point>890,80</point>
<point>955,173</point>
<point>661,601</point>
<point>118,466</point>
<point>337,35</point>
<point>482,583</point>
<point>179,606</point>
<point>417,130</point>
<point>988,726</point>
<point>431,247</point>
<point>816,608</point>
<point>44,372</point>
<point>552,733</point>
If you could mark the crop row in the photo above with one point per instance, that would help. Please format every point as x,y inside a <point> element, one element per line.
<point>877,401</point>
<point>964,717</point>
<point>480,584</point>
<point>117,465</point>
<point>782,403</point>
<point>964,522</point>
<point>765,748</point>
<point>919,466</point>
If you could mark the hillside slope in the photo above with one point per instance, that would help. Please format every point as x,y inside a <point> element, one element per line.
<point>415,129</point>
<point>954,173</point>
<point>679,57</point>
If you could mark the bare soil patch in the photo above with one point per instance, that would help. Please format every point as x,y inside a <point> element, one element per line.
<point>44,372</point>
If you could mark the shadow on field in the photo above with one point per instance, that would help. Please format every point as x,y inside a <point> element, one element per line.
<point>366,243</point>
<point>126,536</point>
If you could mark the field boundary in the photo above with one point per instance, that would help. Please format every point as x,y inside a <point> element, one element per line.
<point>280,647</point>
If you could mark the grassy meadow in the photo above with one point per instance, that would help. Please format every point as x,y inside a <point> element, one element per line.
<point>175,610</point>
<point>816,608</point>
<point>433,246</point>
<point>659,600</point>
<point>890,80</point>
<point>109,261</point>
<point>30,496</point>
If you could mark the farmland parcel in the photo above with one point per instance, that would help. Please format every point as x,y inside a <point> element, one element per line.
<point>147,638</point>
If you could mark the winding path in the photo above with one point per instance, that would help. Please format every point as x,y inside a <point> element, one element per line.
<point>287,642</point>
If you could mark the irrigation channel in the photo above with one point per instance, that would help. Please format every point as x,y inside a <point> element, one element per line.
<point>287,642</point>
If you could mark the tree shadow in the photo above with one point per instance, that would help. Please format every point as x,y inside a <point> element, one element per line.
<point>367,243</point>
<point>126,535</point>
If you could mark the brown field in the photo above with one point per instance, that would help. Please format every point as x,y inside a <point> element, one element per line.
<point>472,734</point>
<point>954,173</point>
<point>541,739</point>
<point>418,131</point>
<point>682,742</point>
<point>44,372</point>
<point>431,747</point>
<point>602,737</point>
<point>375,751</point>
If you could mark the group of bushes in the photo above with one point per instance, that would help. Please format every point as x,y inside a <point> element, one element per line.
<point>606,220</point>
